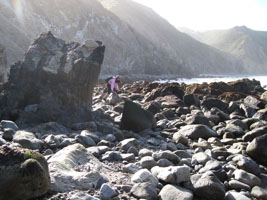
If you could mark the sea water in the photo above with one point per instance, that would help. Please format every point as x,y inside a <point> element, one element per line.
<point>214,78</point>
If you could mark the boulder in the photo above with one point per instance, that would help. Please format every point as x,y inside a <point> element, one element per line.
<point>58,77</point>
<point>9,124</point>
<point>210,103</point>
<point>69,169</point>
<point>24,174</point>
<point>247,178</point>
<point>197,131</point>
<point>259,193</point>
<point>251,135</point>
<point>257,149</point>
<point>143,175</point>
<point>264,96</point>
<point>107,192</point>
<point>208,186</point>
<point>28,140</point>
<point>165,89</point>
<point>136,118</point>
<point>172,174</point>
<point>233,195</point>
<point>173,192</point>
<point>253,102</point>
<point>191,99</point>
<point>113,99</point>
<point>144,191</point>
<point>246,86</point>
<point>247,164</point>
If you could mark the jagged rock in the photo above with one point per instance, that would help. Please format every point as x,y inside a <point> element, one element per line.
<point>172,192</point>
<point>24,174</point>
<point>74,168</point>
<point>257,149</point>
<point>59,77</point>
<point>135,118</point>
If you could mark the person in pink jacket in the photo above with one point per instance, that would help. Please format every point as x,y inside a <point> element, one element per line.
<point>113,84</point>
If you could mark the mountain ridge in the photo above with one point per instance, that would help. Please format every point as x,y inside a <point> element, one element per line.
<point>138,40</point>
<point>247,45</point>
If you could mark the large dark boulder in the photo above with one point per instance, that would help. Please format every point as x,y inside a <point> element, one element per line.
<point>23,174</point>
<point>136,118</point>
<point>210,103</point>
<point>257,149</point>
<point>54,82</point>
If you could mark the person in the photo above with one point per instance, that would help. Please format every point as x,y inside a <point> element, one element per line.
<point>113,84</point>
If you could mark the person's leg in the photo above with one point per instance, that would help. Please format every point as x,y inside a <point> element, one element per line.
<point>109,88</point>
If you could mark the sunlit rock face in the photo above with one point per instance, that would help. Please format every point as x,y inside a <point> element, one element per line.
<point>54,82</point>
<point>3,64</point>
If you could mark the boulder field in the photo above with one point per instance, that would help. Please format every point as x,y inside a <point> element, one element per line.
<point>152,141</point>
<point>62,138</point>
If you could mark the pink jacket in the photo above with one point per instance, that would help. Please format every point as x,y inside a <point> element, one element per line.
<point>113,84</point>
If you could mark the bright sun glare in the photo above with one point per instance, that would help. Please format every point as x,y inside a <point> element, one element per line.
<point>18,6</point>
<point>211,14</point>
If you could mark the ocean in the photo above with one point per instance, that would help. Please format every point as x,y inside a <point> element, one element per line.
<point>214,78</point>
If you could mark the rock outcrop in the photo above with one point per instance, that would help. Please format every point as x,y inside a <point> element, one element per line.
<point>54,82</point>
<point>24,174</point>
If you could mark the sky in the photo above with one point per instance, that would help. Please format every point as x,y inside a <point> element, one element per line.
<point>203,15</point>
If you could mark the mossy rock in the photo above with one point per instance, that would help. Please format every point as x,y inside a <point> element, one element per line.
<point>23,174</point>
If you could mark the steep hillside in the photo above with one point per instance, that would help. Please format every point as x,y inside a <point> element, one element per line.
<point>195,55</point>
<point>137,39</point>
<point>247,45</point>
<point>3,64</point>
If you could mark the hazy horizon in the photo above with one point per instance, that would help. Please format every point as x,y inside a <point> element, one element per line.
<point>205,15</point>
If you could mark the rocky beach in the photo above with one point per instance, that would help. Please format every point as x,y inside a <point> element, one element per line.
<point>61,139</point>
